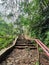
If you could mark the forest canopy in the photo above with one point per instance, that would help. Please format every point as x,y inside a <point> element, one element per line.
<point>32,19</point>
<point>35,18</point>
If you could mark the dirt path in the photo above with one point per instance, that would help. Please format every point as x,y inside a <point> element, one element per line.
<point>22,55</point>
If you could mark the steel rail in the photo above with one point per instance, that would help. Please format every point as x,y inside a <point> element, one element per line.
<point>45,49</point>
<point>44,45</point>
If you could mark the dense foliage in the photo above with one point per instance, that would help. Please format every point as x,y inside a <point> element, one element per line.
<point>7,33</point>
<point>33,21</point>
<point>36,16</point>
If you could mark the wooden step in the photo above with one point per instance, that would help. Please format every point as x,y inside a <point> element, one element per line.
<point>25,46</point>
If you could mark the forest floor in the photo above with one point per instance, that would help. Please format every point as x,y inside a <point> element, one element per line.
<point>25,54</point>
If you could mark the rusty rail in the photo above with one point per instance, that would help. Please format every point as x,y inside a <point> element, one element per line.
<point>44,47</point>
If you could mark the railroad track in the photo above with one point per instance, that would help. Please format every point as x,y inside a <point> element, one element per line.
<point>24,52</point>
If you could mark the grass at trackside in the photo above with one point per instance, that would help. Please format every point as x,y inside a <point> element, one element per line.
<point>5,42</point>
